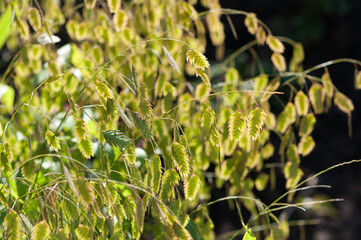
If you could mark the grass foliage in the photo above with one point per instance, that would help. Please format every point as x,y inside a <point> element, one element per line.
<point>109,134</point>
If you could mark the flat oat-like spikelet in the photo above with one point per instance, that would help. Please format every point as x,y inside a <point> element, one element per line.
<point>255,123</point>
<point>180,159</point>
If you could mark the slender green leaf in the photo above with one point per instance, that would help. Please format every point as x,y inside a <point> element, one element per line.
<point>171,60</point>
<point>5,25</point>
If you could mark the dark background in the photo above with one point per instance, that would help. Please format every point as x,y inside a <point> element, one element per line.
<point>328,29</point>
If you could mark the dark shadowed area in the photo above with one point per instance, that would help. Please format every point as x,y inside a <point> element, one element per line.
<point>328,30</point>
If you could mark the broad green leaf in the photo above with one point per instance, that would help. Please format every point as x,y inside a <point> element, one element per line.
<point>41,231</point>
<point>317,97</point>
<point>251,23</point>
<point>5,25</point>
<point>7,95</point>
<point>306,145</point>
<point>249,235</point>
<point>171,60</point>
<point>343,103</point>
<point>301,103</point>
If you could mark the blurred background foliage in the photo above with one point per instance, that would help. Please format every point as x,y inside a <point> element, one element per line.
<point>328,30</point>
